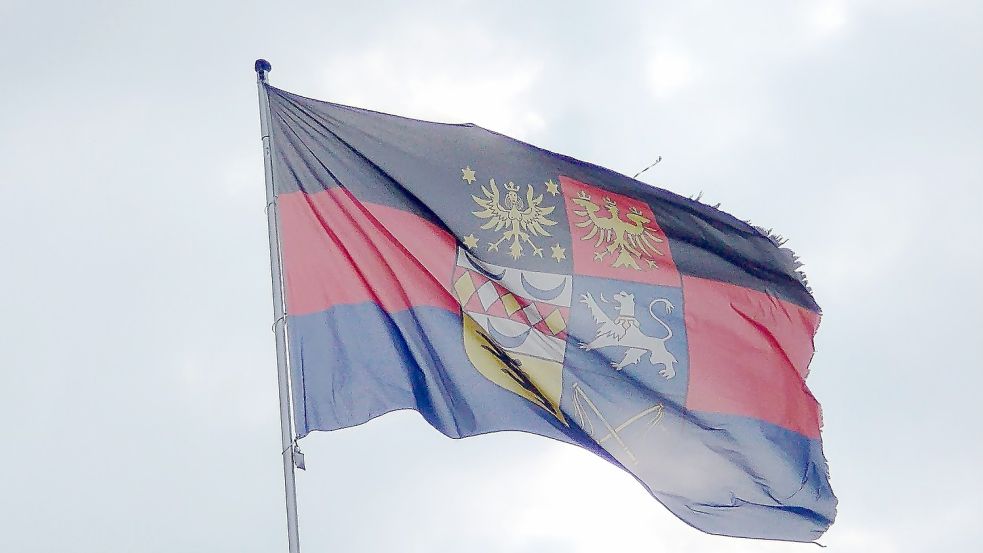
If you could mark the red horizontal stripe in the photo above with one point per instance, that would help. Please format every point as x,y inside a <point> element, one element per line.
<point>338,250</point>
<point>749,355</point>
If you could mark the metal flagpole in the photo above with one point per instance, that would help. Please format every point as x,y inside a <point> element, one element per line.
<point>279,323</point>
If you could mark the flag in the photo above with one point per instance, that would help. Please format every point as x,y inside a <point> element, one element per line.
<point>492,285</point>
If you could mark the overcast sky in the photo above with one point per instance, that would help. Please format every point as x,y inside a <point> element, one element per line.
<point>138,404</point>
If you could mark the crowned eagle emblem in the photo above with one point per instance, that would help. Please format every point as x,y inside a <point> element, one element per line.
<point>521,219</point>
<point>630,241</point>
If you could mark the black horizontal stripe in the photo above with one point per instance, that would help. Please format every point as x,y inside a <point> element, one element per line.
<point>416,166</point>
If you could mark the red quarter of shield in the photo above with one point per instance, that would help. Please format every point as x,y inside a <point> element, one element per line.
<point>614,236</point>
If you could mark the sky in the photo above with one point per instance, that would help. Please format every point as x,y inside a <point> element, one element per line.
<point>138,405</point>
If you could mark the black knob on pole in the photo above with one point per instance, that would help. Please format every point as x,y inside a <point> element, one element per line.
<point>262,66</point>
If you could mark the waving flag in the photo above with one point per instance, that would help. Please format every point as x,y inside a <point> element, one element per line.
<point>491,285</point>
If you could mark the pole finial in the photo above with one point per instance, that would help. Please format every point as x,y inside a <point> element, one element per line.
<point>262,67</point>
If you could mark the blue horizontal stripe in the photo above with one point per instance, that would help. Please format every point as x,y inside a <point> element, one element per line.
<point>351,364</point>
<point>722,474</point>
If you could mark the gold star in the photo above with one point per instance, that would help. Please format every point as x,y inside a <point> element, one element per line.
<point>470,241</point>
<point>467,174</point>
<point>552,187</point>
<point>558,253</point>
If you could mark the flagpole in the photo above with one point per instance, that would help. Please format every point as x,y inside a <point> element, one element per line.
<point>279,319</point>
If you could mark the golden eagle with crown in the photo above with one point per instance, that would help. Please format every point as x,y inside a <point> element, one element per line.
<point>632,239</point>
<point>521,219</point>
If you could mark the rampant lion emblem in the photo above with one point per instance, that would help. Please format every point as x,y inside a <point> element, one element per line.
<point>625,331</point>
<point>633,239</point>
<point>521,220</point>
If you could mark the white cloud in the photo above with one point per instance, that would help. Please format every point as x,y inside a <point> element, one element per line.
<point>477,79</point>
<point>671,71</point>
<point>827,18</point>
